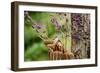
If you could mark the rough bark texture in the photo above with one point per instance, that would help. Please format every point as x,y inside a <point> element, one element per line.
<point>80,35</point>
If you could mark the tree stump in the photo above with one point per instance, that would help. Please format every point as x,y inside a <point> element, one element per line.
<point>57,51</point>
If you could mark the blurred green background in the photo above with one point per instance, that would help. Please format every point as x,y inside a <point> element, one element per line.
<point>35,50</point>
